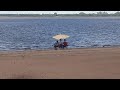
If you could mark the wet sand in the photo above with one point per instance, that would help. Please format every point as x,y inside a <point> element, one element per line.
<point>94,63</point>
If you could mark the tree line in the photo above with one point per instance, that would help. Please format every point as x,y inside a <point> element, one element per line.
<point>56,14</point>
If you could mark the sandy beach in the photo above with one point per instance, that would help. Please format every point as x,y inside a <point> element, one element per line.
<point>92,63</point>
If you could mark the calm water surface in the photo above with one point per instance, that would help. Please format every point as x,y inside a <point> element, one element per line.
<point>21,34</point>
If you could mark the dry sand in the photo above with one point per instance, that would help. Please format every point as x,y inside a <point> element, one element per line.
<point>94,63</point>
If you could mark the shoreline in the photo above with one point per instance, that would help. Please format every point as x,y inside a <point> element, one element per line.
<point>48,49</point>
<point>57,17</point>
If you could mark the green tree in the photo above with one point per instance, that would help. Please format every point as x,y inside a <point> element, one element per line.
<point>82,14</point>
<point>117,14</point>
<point>55,14</point>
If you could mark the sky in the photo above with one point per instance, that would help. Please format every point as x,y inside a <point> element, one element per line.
<point>50,12</point>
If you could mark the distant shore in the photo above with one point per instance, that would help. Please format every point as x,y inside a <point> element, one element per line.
<point>57,17</point>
